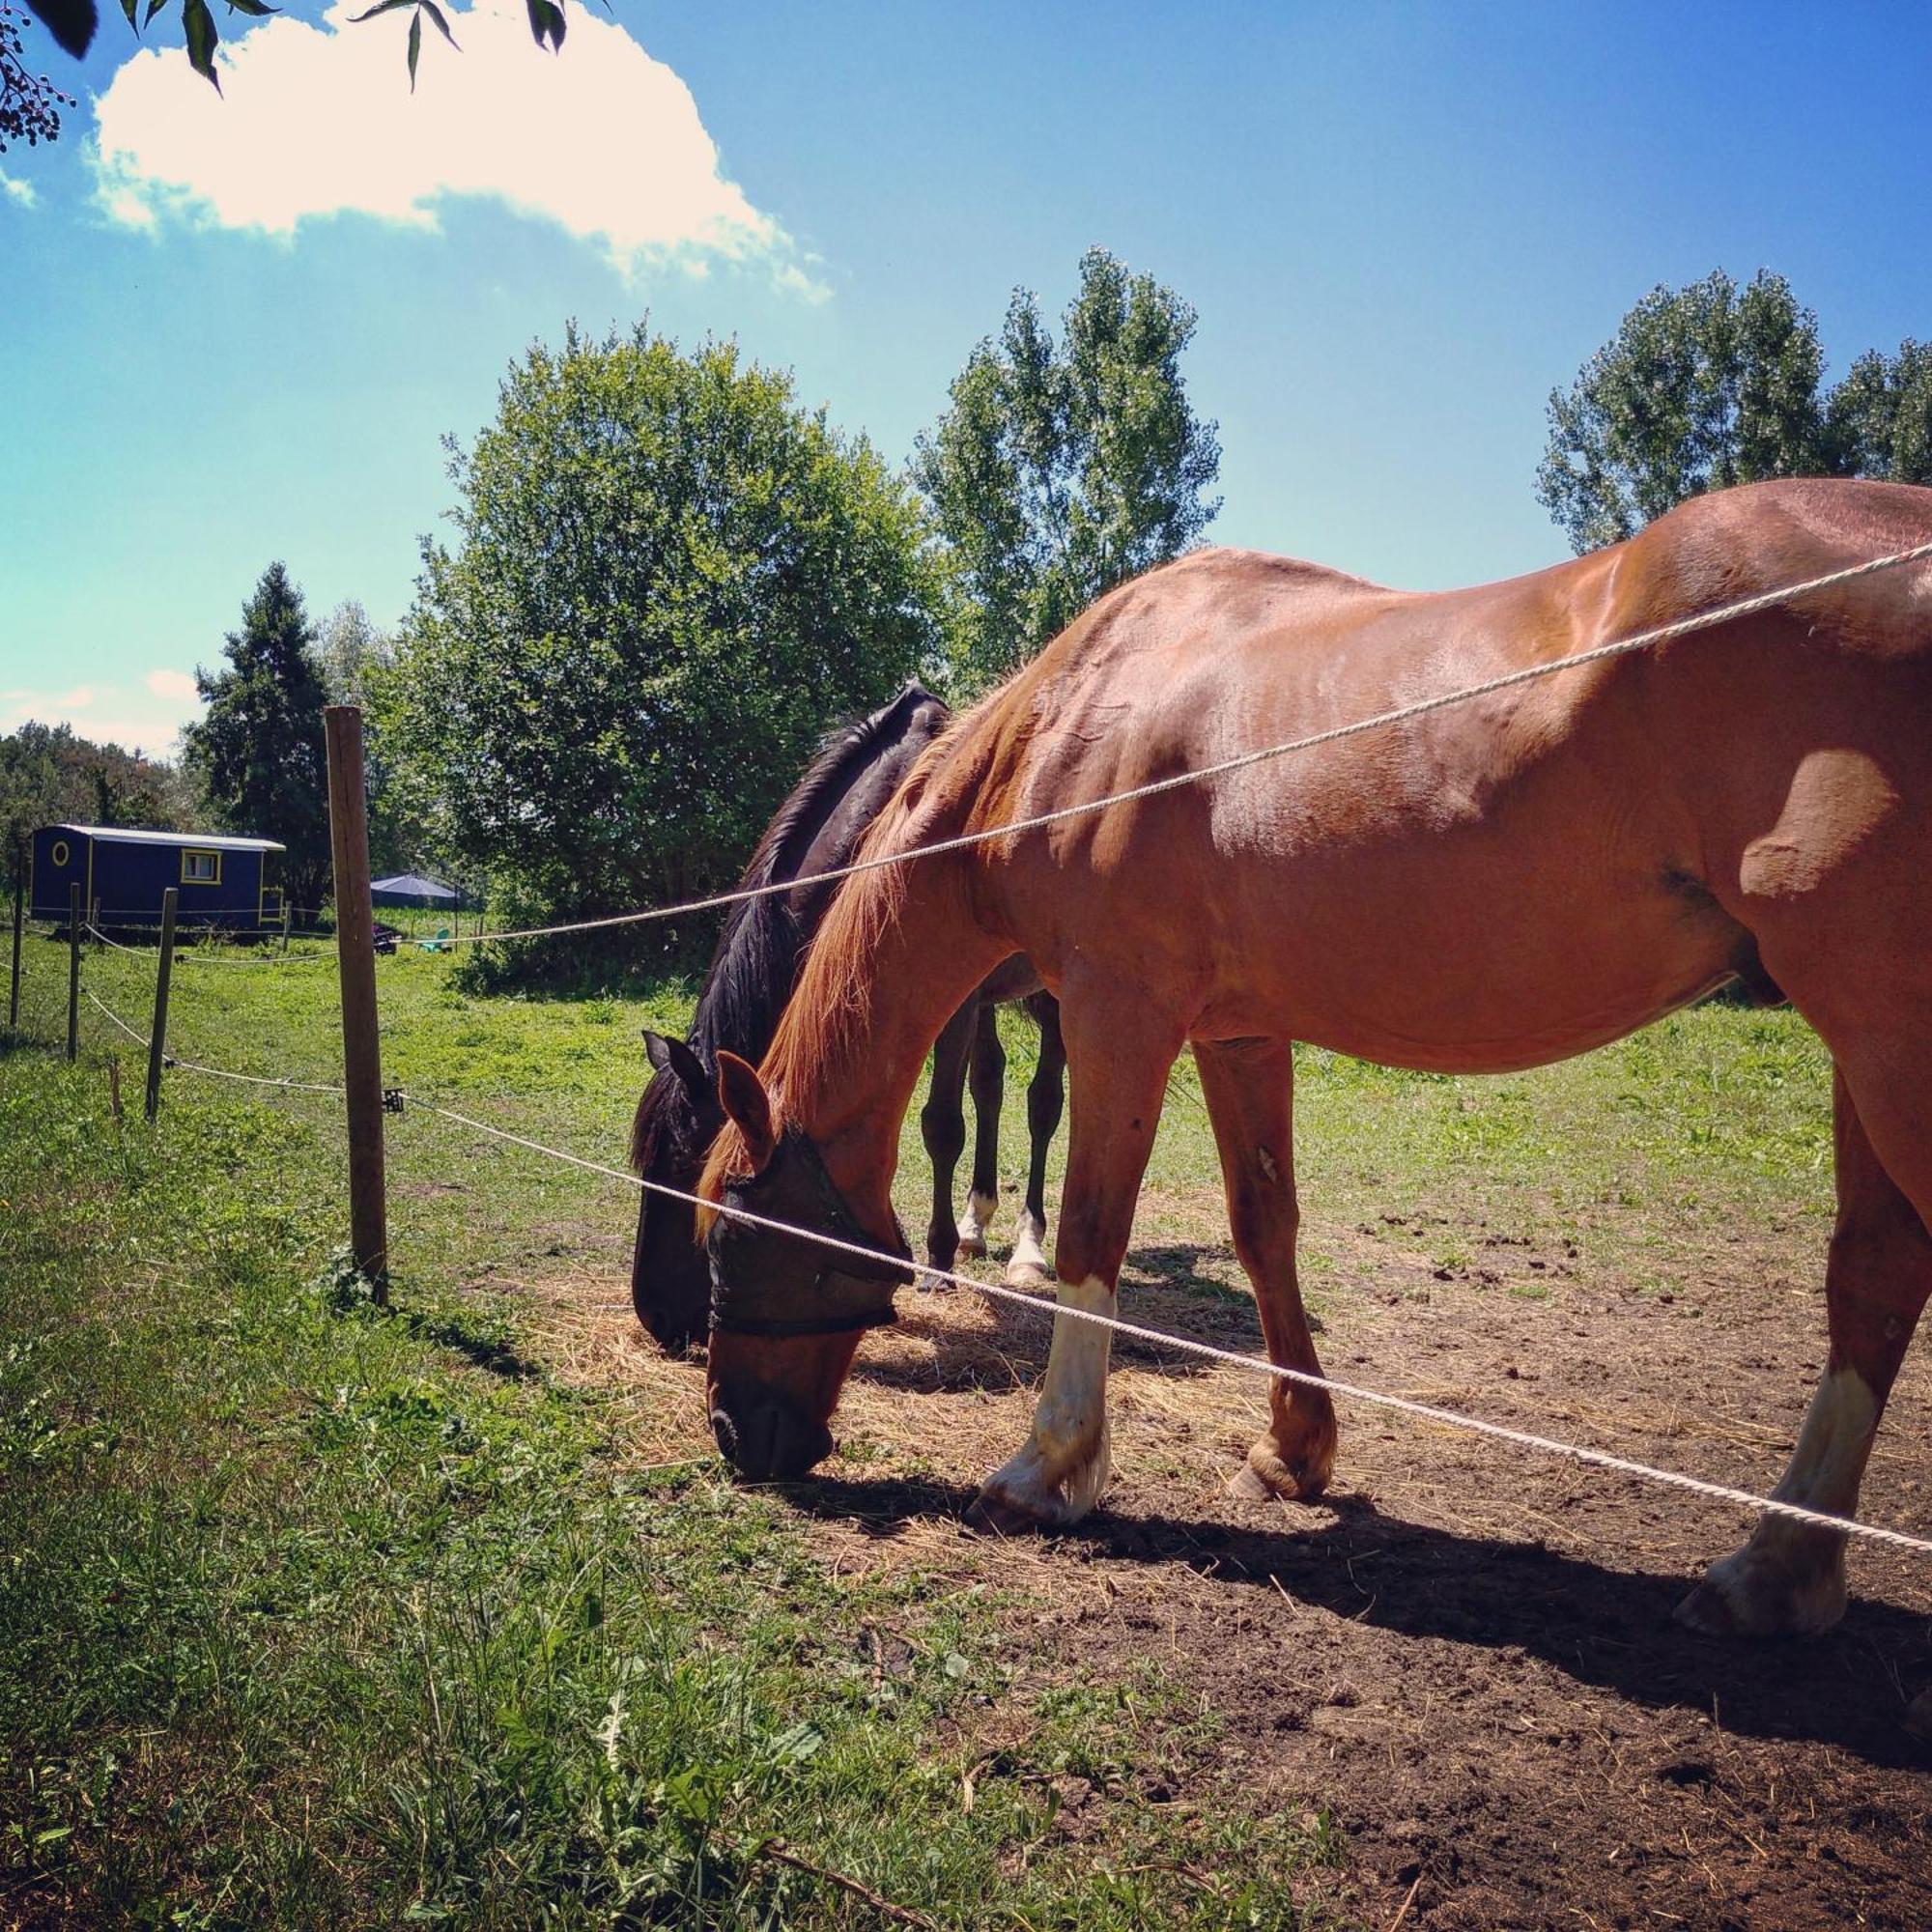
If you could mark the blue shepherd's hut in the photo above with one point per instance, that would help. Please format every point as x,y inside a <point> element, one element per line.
<point>223,881</point>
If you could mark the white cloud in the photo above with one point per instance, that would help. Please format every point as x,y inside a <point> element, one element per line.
<point>319,121</point>
<point>111,713</point>
<point>25,193</point>
<point>164,683</point>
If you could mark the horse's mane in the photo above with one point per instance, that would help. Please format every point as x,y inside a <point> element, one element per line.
<point>756,957</point>
<point>823,1024</point>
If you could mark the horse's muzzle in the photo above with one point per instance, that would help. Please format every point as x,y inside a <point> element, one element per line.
<point>769,1440</point>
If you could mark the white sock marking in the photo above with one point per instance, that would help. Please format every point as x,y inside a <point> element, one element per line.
<point>1791,1575</point>
<point>1029,1245</point>
<point>976,1219</point>
<point>1058,1476</point>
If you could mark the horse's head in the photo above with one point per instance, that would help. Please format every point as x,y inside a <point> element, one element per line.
<point>677,1119</point>
<point>786,1313</point>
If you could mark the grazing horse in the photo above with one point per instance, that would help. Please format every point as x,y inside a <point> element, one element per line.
<point>817,829</point>
<point>1493,885</point>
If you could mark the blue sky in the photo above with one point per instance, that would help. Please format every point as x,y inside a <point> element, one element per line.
<point>1402,225</point>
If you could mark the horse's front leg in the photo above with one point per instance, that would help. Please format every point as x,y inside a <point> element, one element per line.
<point>1118,1055</point>
<point>1249,1087</point>
<point>942,1127</point>
<point>1046,1095</point>
<point>986,1075</point>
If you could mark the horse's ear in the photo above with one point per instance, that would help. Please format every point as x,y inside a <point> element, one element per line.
<point>678,1058</point>
<point>743,1096</point>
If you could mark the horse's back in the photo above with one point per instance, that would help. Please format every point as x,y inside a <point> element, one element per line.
<point>1501,880</point>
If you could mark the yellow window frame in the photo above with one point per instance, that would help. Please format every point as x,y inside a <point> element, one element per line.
<point>189,878</point>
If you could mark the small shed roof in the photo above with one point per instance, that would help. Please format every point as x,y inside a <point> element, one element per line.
<point>413,884</point>
<point>128,835</point>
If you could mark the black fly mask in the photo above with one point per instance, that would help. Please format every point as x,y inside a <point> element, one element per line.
<point>765,1283</point>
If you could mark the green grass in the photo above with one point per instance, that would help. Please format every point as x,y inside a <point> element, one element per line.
<point>315,1613</point>
<point>319,1614</point>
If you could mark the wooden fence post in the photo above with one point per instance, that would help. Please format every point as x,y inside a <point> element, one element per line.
<point>19,901</point>
<point>355,965</point>
<point>163,973</point>
<point>73,972</point>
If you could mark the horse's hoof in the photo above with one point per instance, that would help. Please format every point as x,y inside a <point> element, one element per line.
<point>1268,1476</point>
<point>992,1514</point>
<point>1248,1488</point>
<point>1918,1718</point>
<point>1249,1485</point>
<point>1037,1489</point>
<point>972,1247</point>
<point>1756,1593</point>
<point>1708,1611</point>
<point>928,1281</point>
<point>1027,1276</point>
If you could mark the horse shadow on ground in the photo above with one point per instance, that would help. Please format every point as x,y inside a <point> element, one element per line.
<point>1013,1354</point>
<point>1607,1628</point>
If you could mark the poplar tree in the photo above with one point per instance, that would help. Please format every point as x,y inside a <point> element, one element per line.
<point>1064,468</point>
<point>1716,384</point>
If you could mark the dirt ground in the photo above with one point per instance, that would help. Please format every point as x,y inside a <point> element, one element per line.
<point>1465,1652</point>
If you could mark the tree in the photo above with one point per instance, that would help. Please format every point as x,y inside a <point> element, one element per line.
<point>1060,470</point>
<point>1712,384</point>
<point>669,578</point>
<point>1880,416</point>
<point>349,650</point>
<point>257,753</point>
<point>1700,387</point>
<point>49,776</point>
<point>71,23</point>
<point>30,103</point>
<point>351,654</point>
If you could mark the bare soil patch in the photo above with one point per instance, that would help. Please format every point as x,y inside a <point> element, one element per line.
<point>1465,1653</point>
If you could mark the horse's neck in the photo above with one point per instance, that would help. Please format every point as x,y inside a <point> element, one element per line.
<point>896,960</point>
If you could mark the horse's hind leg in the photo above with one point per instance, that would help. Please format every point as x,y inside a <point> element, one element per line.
<point>987,1071</point>
<point>942,1127</point>
<point>1250,1089</point>
<point>1791,1575</point>
<point>1046,1094</point>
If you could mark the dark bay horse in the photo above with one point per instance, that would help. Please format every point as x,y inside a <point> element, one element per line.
<point>817,829</point>
<point>1497,884</point>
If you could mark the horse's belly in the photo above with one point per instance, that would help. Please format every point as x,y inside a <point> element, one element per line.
<point>1435,966</point>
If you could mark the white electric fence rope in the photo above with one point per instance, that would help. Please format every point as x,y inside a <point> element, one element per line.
<point>187,952</point>
<point>1450,1418</point>
<point>169,1059</point>
<point>1158,1338</point>
<point>1642,641</point>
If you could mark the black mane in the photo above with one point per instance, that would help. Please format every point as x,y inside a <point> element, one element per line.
<point>758,951</point>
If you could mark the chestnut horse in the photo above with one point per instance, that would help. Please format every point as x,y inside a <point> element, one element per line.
<point>1494,885</point>
<point>817,830</point>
